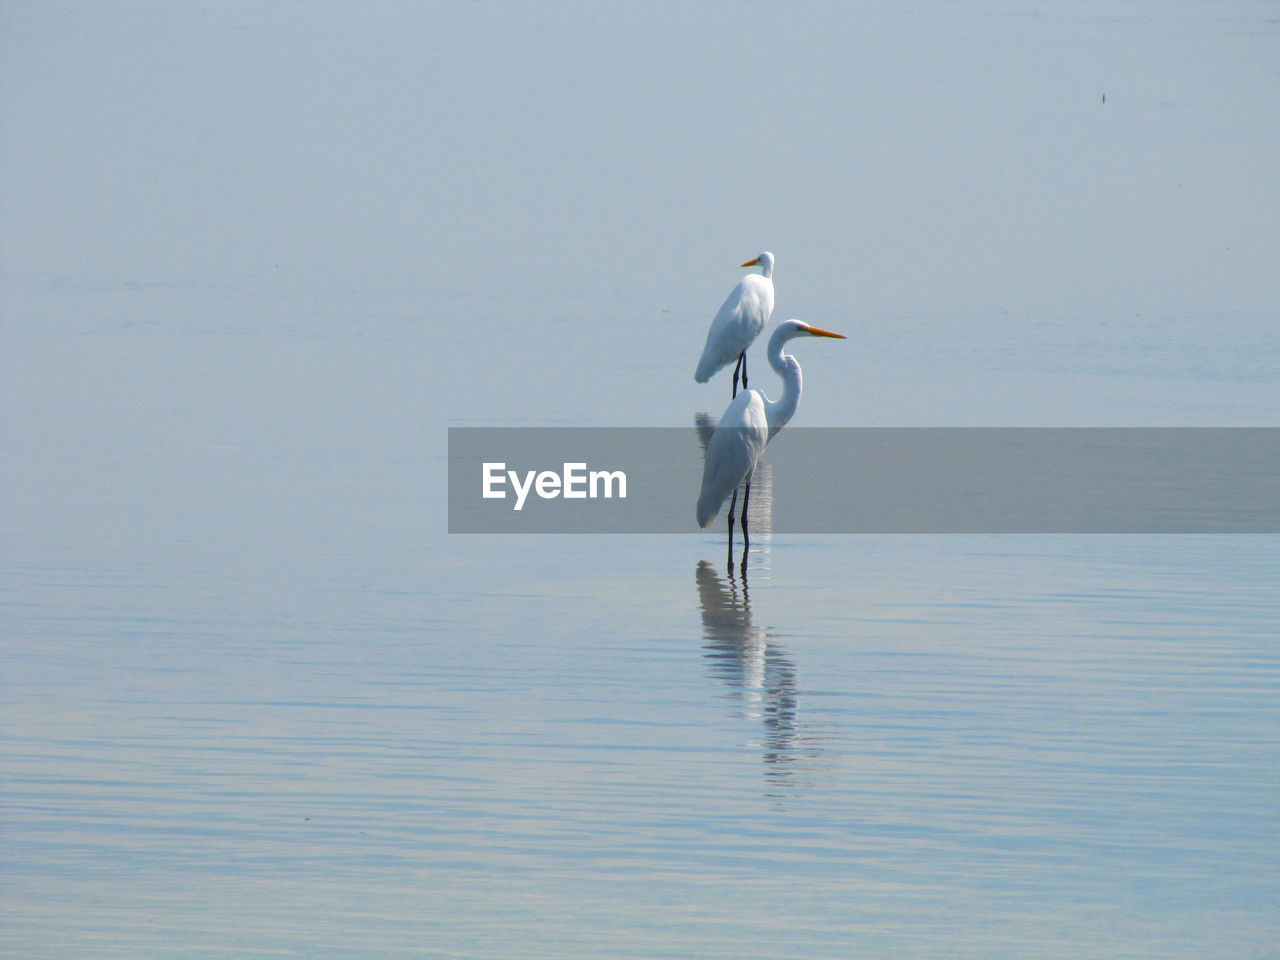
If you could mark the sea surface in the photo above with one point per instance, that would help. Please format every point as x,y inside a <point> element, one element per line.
<point>256,701</point>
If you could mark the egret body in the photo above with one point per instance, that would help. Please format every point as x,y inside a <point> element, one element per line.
<point>748,424</point>
<point>739,321</point>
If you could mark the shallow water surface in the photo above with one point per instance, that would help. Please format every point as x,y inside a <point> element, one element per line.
<point>978,745</point>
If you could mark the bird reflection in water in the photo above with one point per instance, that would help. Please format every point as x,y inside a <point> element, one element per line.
<point>742,655</point>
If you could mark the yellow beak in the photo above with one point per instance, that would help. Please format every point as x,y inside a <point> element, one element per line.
<point>751,263</point>
<point>819,332</point>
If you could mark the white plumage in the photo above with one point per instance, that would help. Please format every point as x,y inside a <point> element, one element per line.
<point>733,452</point>
<point>739,321</point>
<point>749,422</point>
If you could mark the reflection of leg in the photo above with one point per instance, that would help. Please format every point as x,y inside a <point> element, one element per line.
<point>742,360</point>
<point>746,498</point>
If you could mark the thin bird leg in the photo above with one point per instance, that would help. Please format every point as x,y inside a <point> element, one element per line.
<point>743,358</point>
<point>738,366</point>
<point>746,540</point>
<point>732,503</point>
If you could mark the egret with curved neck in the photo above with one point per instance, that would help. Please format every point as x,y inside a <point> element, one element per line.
<point>737,324</point>
<point>748,424</point>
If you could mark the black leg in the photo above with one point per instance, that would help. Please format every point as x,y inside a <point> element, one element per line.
<point>743,357</point>
<point>736,367</point>
<point>732,503</point>
<point>746,540</point>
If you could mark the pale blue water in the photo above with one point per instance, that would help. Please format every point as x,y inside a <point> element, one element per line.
<point>255,701</point>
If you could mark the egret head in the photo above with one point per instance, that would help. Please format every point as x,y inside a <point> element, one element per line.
<point>765,260</point>
<point>794,328</point>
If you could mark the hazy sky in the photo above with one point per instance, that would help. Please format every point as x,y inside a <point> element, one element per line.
<point>395,216</point>
<point>917,158</point>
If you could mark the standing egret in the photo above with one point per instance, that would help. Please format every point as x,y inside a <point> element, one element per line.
<point>748,424</point>
<point>740,320</point>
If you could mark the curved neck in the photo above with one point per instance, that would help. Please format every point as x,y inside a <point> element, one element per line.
<point>779,412</point>
<point>766,267</point>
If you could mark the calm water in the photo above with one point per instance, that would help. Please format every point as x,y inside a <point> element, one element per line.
<point>255,701</point>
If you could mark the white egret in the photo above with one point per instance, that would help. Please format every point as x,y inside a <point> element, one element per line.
<point>748,424</point>
<point>740,320</point>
